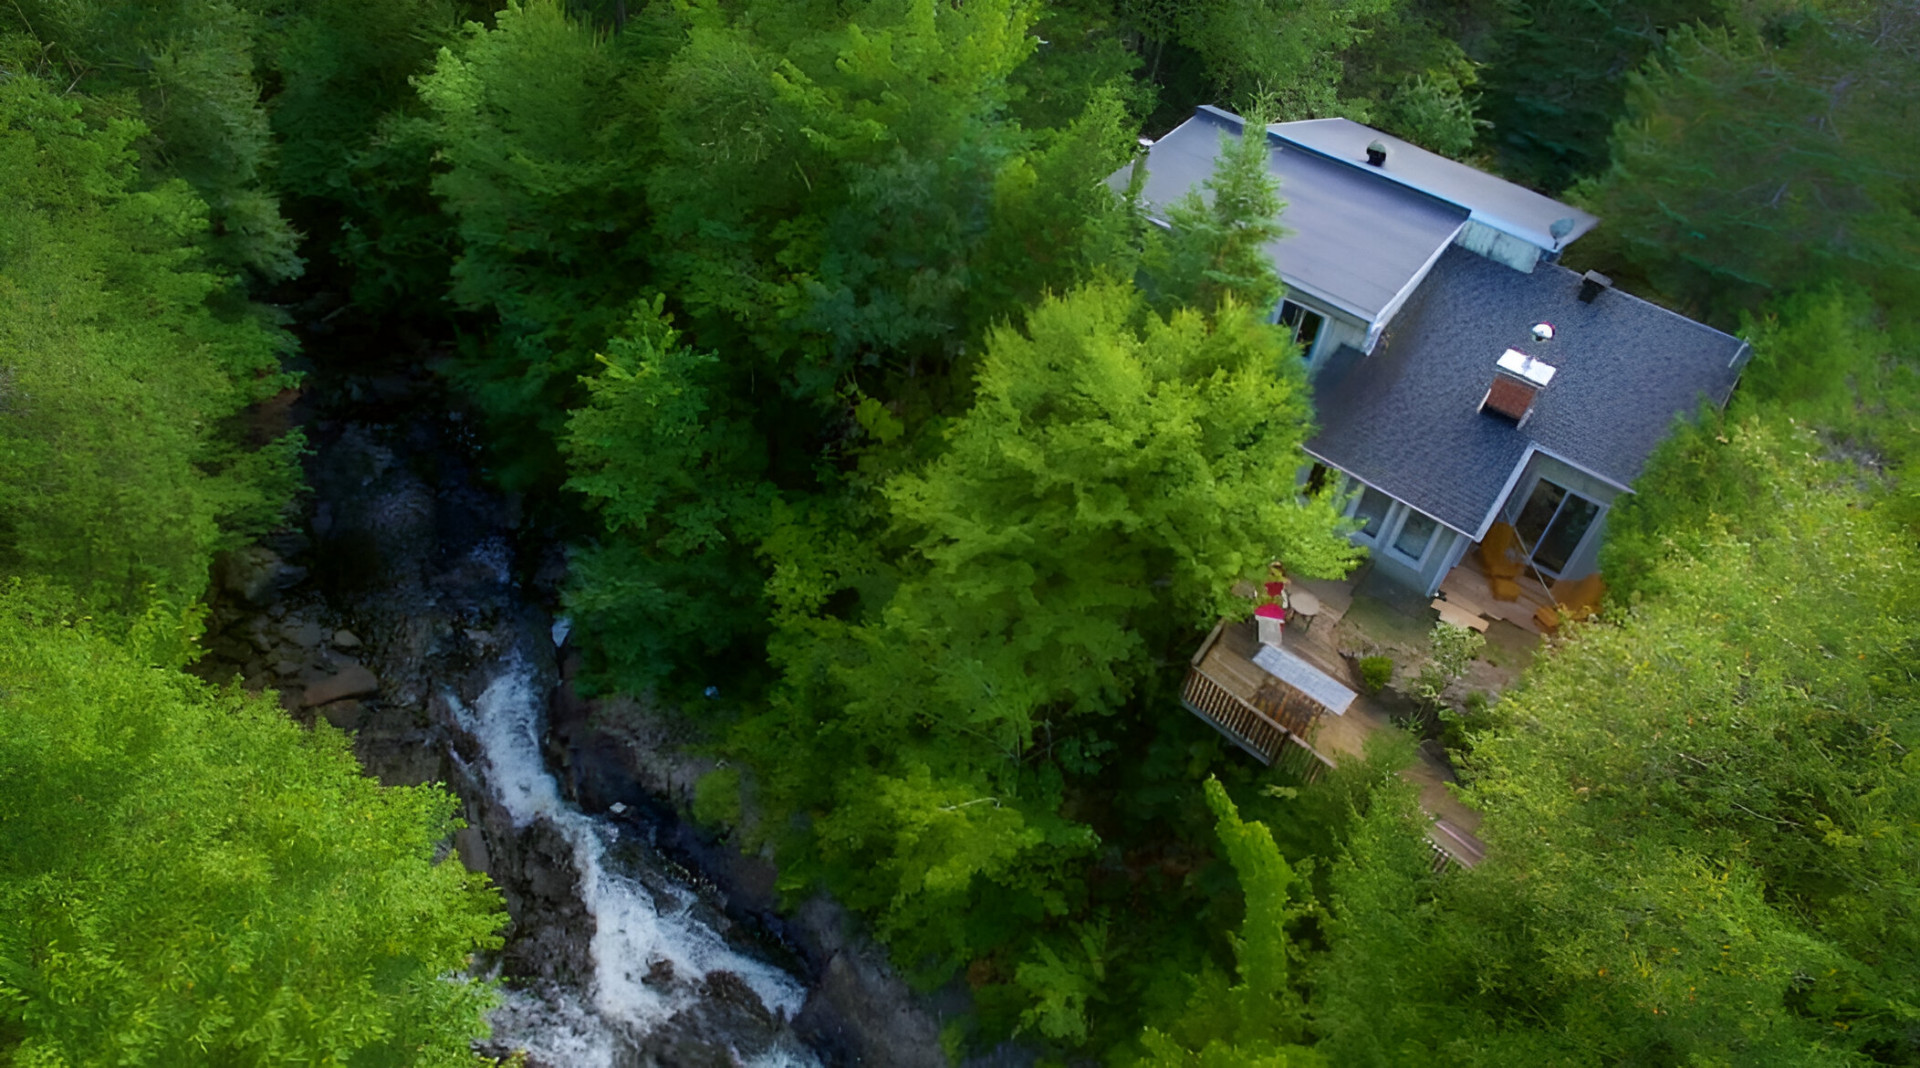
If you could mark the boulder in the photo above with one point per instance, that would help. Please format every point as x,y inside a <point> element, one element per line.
<point>345,639</point>
<point>352,680</point>
<point>304,633</point>
<point>345,715</point>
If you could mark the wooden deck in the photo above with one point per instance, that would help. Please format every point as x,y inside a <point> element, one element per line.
<point>1464,589</point>
<point>1269,720</point>
<point>1281,727</point>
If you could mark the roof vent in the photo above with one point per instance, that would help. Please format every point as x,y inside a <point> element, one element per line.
<point>1517,380</point>
<point>1543,331</point>
<point>1377,153</point>
<point>1591,285</point>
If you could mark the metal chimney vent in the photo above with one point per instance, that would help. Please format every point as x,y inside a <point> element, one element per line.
<point>1377,153</point>
<point>1592,284</point>
<point>1518,379</point>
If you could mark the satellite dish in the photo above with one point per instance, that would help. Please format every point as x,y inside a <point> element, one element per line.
<point>1560,229</point>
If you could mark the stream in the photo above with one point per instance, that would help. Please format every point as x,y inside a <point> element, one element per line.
<point>652,958</point>
<point>412,604</point>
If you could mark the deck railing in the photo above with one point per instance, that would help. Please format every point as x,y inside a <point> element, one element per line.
<point>1270,742</point>
<point>1235,718</point>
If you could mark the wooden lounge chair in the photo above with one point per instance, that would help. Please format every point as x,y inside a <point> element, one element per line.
<point>1579,598</point>
<point>1502,559</point>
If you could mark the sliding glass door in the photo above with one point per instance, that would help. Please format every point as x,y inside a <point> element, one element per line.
<point>1553,522</point>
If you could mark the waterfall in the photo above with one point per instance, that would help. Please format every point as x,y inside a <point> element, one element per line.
<point>634,930</point>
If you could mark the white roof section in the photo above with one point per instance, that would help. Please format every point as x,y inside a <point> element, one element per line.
<point>1354,241</point>
<point>1493,202</point>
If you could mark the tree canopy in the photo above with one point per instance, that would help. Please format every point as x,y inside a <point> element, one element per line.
<point>190,876</point>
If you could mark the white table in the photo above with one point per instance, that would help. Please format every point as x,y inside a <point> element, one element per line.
<point>1303,605</point>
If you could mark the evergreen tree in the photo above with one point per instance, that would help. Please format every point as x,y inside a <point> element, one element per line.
<point>1759,158</point>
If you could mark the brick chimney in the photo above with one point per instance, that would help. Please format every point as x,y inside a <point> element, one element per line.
<point>1517,380</point>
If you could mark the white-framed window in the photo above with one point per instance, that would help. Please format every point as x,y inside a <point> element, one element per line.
<point>1374,510</point>
<point>1386,524</point>
<point>1415,536</point>
<point>1302,324</point>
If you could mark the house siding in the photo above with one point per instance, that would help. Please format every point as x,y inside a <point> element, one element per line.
<point>1424,573</point>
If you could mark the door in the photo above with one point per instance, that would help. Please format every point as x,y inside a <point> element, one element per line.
<point>1553,522</point>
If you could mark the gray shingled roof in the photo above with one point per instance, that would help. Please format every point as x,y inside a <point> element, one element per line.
<point>1494,201</point>
<point>1356,240</point>
<point>1404,419</point>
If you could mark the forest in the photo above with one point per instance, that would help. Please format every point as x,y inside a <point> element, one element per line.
<point>853,386</point>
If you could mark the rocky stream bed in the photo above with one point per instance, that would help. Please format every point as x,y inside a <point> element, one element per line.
<point>412,606</point>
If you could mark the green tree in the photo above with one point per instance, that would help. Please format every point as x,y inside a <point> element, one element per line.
<point>184,68</point>
<point>1556,79</point>
<point>677,473</point>
<point>1758,158</point>
<point>1216,246</point>
<point>1260,1021</point>
<point>191,878</point>
<point>127,365</point>
<point>1699,820</point>
<point>1116,474</point>
<point>542,168</point>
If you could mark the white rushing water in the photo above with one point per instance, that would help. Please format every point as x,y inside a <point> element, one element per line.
<point>633,930</point>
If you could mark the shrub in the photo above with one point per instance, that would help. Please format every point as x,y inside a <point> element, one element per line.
<point>716,799</point>
<point>1376,672</point>
<point>1450,650</point>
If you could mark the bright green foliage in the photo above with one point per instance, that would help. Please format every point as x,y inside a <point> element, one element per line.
<point>1556,80</point>
<point>1827,358</point>
<point>192,878</point>
<point>1699,821</point>
<point>677,474</point>
<point>1111,473</point>
<point>1116,474</point>
<point>1217,247</point>
<point>1260,1021</point>
<point>1450,649</point>
<point>1385,905</point>
<point>1757,159</point>
<point>117,478</point>
<point>185,69</point>
<point>1376,672</point>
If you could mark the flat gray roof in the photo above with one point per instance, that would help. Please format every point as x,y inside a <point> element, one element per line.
<point>1493,201</point>
<point>1405,420</point>
<point>1356,241</point>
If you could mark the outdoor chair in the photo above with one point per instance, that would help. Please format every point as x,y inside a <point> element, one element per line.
<point>1502,559</point>
<point>1579,598</point>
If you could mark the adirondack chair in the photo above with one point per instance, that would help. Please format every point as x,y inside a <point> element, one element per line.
<point>1502,559</point>
<point>1580,598</point>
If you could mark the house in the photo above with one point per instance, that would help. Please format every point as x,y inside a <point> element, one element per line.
<point>1461,376</point>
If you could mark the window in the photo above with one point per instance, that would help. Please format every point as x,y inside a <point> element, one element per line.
<point>1553,523</point>
<point>1303,325</point>
<point>1415,535</point>
<point>1371,511</point>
